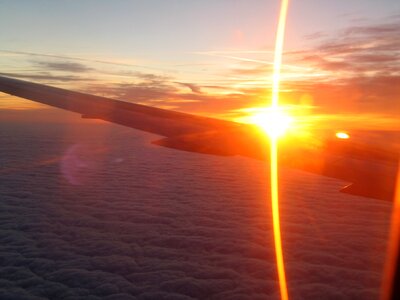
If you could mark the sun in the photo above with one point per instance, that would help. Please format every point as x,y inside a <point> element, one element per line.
<point>274,121</point>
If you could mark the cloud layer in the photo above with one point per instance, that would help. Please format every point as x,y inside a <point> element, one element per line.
<point>141,222</point>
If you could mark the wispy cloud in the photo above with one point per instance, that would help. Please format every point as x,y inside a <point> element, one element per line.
<point>47,77</point>
<point>74,58</point>
<point>356,71</point>
<point>358,49</point>
<point>64,66</point>
<point>193,87</point>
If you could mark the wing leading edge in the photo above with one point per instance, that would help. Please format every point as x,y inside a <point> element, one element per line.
<point>370,170</point>
<point>151,119</point>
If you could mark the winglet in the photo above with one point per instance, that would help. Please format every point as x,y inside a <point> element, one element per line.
<point>370,190</point>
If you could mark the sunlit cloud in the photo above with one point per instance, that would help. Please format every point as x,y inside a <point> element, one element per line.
<point>193,87</point>
<point>355,73</point>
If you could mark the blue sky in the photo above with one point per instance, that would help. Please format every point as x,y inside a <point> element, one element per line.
<point>166,28</point>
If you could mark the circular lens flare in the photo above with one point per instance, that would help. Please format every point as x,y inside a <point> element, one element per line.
<point>342,135</point>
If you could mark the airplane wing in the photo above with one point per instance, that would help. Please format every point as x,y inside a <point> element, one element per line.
<point>370,170</point>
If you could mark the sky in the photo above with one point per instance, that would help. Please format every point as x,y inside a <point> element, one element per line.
<point>341,59</point>
<point>208,57</point>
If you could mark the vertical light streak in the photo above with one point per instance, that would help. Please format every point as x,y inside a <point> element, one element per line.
<point>280,35</point>
<point>389,288</point>
<point>274,152</point>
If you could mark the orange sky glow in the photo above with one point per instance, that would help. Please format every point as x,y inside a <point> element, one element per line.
<point>339,69</point>
<point>339,76</point>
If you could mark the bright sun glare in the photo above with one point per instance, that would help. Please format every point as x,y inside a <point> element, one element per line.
<point>274,122</point>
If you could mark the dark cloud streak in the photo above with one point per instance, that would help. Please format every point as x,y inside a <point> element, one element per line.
<point>64,66</point>
<point>47,77</point>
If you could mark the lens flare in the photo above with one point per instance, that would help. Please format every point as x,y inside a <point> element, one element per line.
<point>390,276</point>
<point>274,122</point>
<point>274,151</point>
<point>342,135</point>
